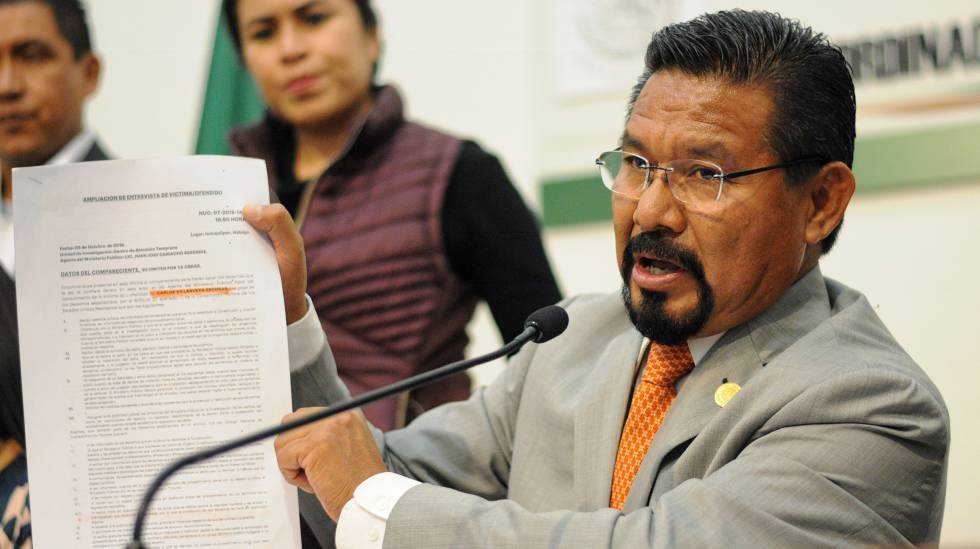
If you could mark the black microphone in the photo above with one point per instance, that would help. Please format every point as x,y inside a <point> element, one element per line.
<point>542,325</point>
<point>549,321</point>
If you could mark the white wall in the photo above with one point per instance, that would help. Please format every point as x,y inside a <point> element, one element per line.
<point>483,69</point>
<point>155,61</point>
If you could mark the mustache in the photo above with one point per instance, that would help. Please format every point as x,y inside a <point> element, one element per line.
<point>665,248</point>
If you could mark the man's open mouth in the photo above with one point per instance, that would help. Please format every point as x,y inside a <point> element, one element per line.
<point>658,266</point>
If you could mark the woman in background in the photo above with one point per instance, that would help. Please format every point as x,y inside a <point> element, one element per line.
<point>15,514</point>
<point>405,227</point>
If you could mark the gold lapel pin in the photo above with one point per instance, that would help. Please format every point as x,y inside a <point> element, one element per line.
<point>725,392</point>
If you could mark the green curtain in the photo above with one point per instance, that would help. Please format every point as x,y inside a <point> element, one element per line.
<point>230,99</point>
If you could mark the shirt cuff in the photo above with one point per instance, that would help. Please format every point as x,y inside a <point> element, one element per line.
<point>305,338</point>
<point>363,519</point>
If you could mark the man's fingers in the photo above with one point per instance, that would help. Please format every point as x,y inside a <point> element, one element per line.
<point>288,457</point>
<point>285,438</point>
<point>274,221</point>
<point>292,447</point>
<point>330,457</point>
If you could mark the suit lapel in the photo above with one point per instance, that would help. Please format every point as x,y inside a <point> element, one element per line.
<point>796,314</point>
<point>599,420</point>
<point>732,357</point>
<point>739,354</point>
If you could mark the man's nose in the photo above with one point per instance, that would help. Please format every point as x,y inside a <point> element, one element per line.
<point>657,208</point>
<point>11,81</point>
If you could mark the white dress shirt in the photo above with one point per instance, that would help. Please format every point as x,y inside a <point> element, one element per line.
<point>304,338</point>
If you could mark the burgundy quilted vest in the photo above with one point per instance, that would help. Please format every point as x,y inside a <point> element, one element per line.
<point>388,300</point>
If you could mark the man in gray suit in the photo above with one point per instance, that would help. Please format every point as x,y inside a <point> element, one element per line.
<point>802,423</point>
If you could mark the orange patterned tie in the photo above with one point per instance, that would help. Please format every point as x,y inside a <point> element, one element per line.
<point>651,400</point>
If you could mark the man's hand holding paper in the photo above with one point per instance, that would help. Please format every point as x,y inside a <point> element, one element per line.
<point>275,222</point>
<point>329,458</point>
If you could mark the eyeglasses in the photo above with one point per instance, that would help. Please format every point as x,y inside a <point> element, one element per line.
<point>693,182</point>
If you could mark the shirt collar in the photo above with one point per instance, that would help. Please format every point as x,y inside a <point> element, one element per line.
<point>699,346</point>
<point>74,150</point>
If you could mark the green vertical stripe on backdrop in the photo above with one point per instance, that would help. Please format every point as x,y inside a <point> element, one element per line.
<point>920,158</point>
<point>575,200</point>
<point>938,155</point>
<point>230,99</point>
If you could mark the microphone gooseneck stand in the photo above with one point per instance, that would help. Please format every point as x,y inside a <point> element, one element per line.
<point>540,326</point>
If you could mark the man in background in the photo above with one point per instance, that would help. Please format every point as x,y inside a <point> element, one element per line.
<point>47,71</point>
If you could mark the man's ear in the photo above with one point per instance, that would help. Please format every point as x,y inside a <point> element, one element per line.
<point>829,192</point>
<point>91,71</point>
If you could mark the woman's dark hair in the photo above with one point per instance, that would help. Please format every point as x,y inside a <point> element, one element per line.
<point>808,77</point>
<point>230,10</point>
<point>11,401</point>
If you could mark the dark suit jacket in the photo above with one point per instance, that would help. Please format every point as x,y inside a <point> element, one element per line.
<point>8,325</point>
<point>8,301</point>
<point>11,410</point>
<point>96,152</point>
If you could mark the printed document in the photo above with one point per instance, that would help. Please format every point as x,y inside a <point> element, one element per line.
<point>151,325</point>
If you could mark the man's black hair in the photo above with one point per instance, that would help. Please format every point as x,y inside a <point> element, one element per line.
<point>230,9</point>
<point>70,18</point>
<point>809,79</point>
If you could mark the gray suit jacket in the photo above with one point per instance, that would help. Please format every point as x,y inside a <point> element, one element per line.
<point>836,439</point>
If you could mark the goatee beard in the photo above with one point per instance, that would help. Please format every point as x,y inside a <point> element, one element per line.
<point>651,317</point>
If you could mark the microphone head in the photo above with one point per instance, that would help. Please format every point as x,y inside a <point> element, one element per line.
<point>549,321</point>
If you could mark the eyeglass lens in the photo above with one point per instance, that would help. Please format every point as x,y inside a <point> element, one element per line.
<point>690,181</point>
